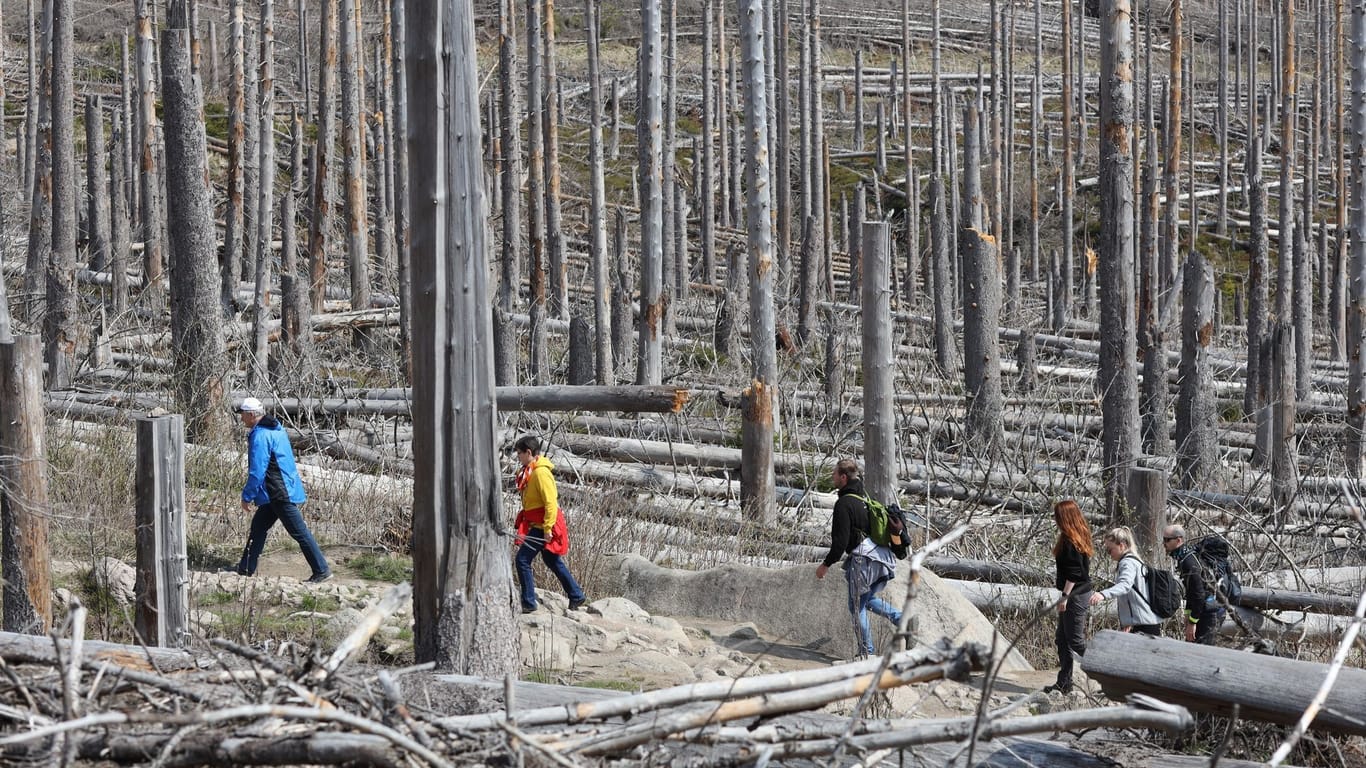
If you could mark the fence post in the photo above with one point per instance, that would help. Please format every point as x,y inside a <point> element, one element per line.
<point>162,589</point>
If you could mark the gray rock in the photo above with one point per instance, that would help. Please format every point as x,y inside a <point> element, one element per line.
<point>116,579</point>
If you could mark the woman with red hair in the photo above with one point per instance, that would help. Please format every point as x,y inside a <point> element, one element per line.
<point>1072,555</point>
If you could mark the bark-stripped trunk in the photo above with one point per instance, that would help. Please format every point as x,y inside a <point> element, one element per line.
<point>148,172</point>
<point>353,166</point>
<point>463,598</point>
<point>1062,302</point>
<point>61,328</point>
<point>1258,266</point>
<point>554,235</point>
<point>649,363</point>
<point>981,305</point>
<point>325,150</point>
<point>1117,375</point>
<point>196,326</point>
<point>509,261</point>
<point>403,254</point>
<point>27,590</point>
<point>119,238</point>
<point>1197,456</point>
<point>879,411</point>
<point>940,287</point>
<point>230,264</point>
<point>760,397</point>
<point>1356,285</point>
<point>97,202</point>
<point>707,189</point>
<point>597,212</point>
<point>540,354</point>
<point>265,201</point>
<point>295,309</point>
<point>40,191</point>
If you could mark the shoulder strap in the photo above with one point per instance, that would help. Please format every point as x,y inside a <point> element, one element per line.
<point>1142,578</point>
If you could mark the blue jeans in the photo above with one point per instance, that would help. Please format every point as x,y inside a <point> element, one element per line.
<point>288,514</point>
<point>534,544</point>
<point>864,599</point>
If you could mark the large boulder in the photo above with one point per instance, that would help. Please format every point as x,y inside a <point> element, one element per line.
<point>794,607</point>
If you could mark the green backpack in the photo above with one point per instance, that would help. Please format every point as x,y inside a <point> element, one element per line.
<point>886,527</point>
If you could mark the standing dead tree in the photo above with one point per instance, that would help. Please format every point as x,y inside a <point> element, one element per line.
<point>27,591</point>
<point>649,345</point>
<point>597,214</point>
<point>324,152</point>
<point>196,335</point>
<point>263,259</point>
<point>232,218</point>
<point>353,165</point>
<point>1118,374</point>
<point>148,172</point>
<point>1197,455</point>
<point>1356,307</point>
<point>757,483</point>
<point>61,326</point>
<point>463,591</point>
<point>981,303</point>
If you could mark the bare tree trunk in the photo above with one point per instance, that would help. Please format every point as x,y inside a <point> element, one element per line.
<point>939,284</point>
<point>1337,310</point>
<point>295,308</point>
<point>325,150</point>
<point>251,153</point>
<point>258,374</point>
<point>61,327</point>
<point>782,149</point>
<point>1117,375</point>
<point>509,261</point>
<point>40,191</point>
<point>554,236</point>
<point>1035,116</point>
<point>31,104</point>
<point>27,598</point>
<point>1197,457</point>
<point>148,173</point>
<point>706,191</point>
<point>540,354</point>
<point>118,218</point>
<point>1221,223</point>
<point>621,292</point>
<point>1063,300</point>
<point>232,219</point>
<point>353,166</point>
<point>981,305</point>
<point>399,21</point>
<point>671,257</point>
<point>463,616</point>
<point>649,365</point>
<point>879,414</point>
<point>597,214</point>
<point>1285,240</point>
<point>820,183</point>
<point>1258,260</point>
<point>97,202</point>
<point>760,397</point>
<point>1284,459</point>
<point>196,327</point>
<point>1356,236</point>
<point>1152,323</point>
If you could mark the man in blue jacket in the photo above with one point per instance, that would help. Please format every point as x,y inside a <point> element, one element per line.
<point>273,485</point>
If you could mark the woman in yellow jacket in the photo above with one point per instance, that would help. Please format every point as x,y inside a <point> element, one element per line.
<point>540,526</point>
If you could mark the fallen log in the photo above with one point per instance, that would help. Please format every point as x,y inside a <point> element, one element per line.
<point>657,399</point>
<point>1212,679</point>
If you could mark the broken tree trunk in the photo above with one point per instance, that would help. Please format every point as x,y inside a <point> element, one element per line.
<point>1211,679</point>
<point>23,494</point>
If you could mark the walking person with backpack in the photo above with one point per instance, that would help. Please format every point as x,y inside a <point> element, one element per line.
<point>541,526</point>
<point>1072,556</point>
<point>868,567</point>
<point>1131,591</point>
<point>1204,614</point>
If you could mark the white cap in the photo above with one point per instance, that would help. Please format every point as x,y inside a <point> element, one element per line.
<point>251,404</point>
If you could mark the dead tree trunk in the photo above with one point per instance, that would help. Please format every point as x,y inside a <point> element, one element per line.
<point>554,236</point>
<point>760,397</point>
<point>196,335</point>
<point>398,18</point>
<point>1063,300</point>
<point>96,201</point>
<point>463,615</point>
<point>597,213</point>
<point>295,308</point>
<point>149,173</point>
<point>621,291</point>
<point>230,263</point>
<point>119,240</point>
<point>707,189</point>
<point>1258,266</point>
<point>31,104</point>
<point>782,150</point>
<point>1284,459</point>
<point>1117,375</point>
<point>1356,236</point>
<point>27,590</point>
<point>941,291</point>
<point>649,363</point>
<point>879,413</point>
<point>539,353</point>
<point>509,261</point>
<point>671,255</point>
<point>353,165</point>
<point>61,329</point>
<point>1197,456</point>
<point>40,197</point>
<point>325,150</point>
<point>265,196</point>
<point>162,586</point>
<point>251,154</point>
<point>1285,239</point>
<point>981,305</point>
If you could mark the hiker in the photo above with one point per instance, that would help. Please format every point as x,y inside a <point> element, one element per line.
<point>1204,614</point>
<point>868,567</point>
<point>1072,555</point>
<point>273,485</point>
<point>1130,590</point>
<point>541,528</point>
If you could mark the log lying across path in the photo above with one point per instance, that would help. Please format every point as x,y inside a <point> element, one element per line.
<point>1212,679</point>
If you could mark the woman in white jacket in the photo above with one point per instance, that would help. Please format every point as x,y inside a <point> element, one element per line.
<point>1131,586</point>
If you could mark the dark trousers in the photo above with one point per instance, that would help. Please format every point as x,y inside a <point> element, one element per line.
<point>1207,630</point>
<point>1151,630</point>
<point>532,545</point>
<point>1071,634</point>
<point>287,514</point>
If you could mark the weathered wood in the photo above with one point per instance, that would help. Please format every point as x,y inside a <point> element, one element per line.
<point>1356,305</point>
<point>39,649</point>
<point>62,330</point>
<point>148,172</point>
<point>580,351</point>
<point>1147,502</point>
<point>26,564</point>
<point>161,605</point>
<point>263,258</point>
<point>96,201</point>
<point>324,183</point>
<point>1197,444</point>
<point>597,212</point>
<point>463,587</point>
<point>1212,679</point>
<point>649,362</point>
<point>230,264</point>
<point>879,414</point>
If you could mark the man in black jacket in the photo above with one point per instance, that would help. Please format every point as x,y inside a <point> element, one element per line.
<point>1204,614</point>
<point>867,567</point>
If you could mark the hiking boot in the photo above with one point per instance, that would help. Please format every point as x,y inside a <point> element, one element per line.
<point>528,609</point>
<point>574,605</point>
<point>319,578</point>
<point>237,569</point>
<point>1057,688</point>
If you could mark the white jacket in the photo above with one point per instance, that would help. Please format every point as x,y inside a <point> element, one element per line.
<point>1131,589</point>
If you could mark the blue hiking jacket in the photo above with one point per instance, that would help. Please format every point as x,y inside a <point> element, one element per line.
<point>271,474</point>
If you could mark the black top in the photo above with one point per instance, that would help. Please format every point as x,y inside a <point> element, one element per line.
<point>1073,566</point>
<point>1192,578</point>
<point>849,523</point>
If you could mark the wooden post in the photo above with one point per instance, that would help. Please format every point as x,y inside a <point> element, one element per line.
<point>23,492</point>
<point>1147,499</point>
<point>162,588</point>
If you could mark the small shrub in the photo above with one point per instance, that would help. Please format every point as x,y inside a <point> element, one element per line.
<point>378,567</point>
